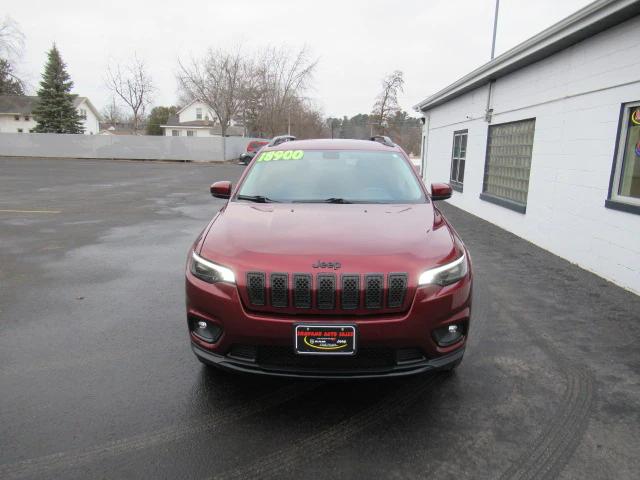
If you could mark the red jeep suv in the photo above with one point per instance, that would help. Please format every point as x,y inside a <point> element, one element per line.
<point>329,260</point>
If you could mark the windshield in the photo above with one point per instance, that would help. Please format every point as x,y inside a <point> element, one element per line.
<point>336,176</point>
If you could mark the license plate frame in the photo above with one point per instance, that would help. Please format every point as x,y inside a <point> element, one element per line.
<point>323,341</point>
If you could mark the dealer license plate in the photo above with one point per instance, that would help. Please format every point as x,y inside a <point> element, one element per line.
<point>325,339</point>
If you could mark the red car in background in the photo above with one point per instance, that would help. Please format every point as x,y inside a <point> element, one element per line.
<point>252,148</point>
<point>329,260</point>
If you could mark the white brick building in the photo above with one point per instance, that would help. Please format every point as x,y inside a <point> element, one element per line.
<point>544,140</point>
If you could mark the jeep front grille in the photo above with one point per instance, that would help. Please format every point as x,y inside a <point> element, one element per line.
<point>302,290</point>
<point>327,291</point>
<point>279,289</point>
<point>255,288</point>
<point>350,292</point>
<point>373,290</point>
<point>397,289</point>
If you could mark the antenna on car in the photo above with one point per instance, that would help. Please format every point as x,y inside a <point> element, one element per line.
<point>383,139</point>
<point>281,139</point>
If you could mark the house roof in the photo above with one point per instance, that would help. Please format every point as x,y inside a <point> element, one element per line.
<point>24,104</point>
<point>17,104</point>
<point>172,121</point>
<point>585,23</point>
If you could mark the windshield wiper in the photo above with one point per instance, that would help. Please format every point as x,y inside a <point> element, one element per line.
<point>324,200</point>
<point>256,198</point>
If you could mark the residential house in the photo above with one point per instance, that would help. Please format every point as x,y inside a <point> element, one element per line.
<point>16,113</point>
<point>198,120</point>
<point>120,128</point>
<point>544,140</point>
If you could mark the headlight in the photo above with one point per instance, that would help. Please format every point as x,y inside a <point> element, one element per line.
<point>446,274</point>
<point>209,271</point>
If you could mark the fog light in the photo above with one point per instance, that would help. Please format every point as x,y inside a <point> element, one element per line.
<point>209,332</point>
<point>448,335</point>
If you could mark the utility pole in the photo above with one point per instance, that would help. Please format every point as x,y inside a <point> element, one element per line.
<point>330,125</point>
<point>489,111</point>
<point>495,29</point>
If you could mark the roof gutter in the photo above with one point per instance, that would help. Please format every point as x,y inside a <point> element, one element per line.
<point>586,22</point>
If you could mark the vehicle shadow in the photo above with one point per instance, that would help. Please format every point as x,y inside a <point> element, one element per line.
<point>322,416</point>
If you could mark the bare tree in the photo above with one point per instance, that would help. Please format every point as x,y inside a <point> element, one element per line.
<point>217,79</point>
<point>132,84</point>
<point>251,99</point>
<point>11,39</point>
<point>263,91</point>
<point>11,47</point>
<point>112,113</point>
<point>307,121</point>
<point>386,104</point>
<point>282,78</point>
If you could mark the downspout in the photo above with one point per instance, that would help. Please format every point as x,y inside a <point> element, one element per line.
<point>425,146</point>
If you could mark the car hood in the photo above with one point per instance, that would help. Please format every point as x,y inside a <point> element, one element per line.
<point>362,238</point>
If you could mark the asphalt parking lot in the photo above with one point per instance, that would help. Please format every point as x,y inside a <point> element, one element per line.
<point>97,379</point>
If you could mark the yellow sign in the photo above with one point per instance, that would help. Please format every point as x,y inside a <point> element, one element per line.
<point>280,155</point>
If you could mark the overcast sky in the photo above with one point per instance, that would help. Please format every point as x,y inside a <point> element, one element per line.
<point>433,42</point>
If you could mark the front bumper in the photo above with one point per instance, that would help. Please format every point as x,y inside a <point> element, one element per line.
<point>431,308</point>
<point>319,372</point>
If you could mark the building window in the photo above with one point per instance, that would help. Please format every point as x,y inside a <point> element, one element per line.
<point>83,114</point>
<point>175,133</point>
<point>16,118</point>
<point>191,133</point>
<point>198,114</point>
<point>26,118</point>
<point>458,159</point>
<point>19,130</point>
<point>624,187</point>
<point>508,163</point>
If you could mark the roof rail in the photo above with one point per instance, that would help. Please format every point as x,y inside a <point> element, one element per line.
<point>281,139</point>
<point>383,139</point>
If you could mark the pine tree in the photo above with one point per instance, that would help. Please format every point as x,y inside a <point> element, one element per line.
<point>55,112</point>
<point>159,116</point>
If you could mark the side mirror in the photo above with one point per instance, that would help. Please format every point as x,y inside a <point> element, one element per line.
<point>440,191</point>
<point>221,189</point>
